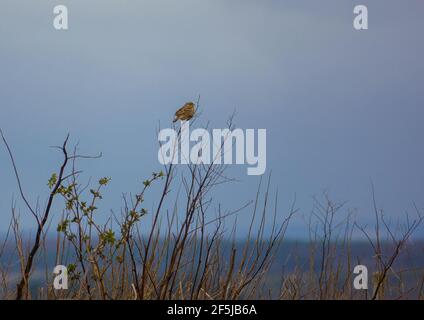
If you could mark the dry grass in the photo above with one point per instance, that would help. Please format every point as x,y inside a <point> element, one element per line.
<point>183,253</point>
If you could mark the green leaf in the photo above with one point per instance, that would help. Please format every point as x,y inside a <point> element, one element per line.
<point>104,181</point>
<point>146,183</point>
<point>52,181</point>
<point>62,226</point>
<point>108,236</point>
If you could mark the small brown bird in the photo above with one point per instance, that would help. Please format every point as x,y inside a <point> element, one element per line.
<point>186,112</point>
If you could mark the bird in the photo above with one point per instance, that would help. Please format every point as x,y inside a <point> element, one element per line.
<point>186,112</point>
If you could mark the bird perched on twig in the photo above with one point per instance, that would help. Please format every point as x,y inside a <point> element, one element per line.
<point>186,112</point>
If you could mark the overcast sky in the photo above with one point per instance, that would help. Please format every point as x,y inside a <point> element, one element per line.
<point>342,108</point>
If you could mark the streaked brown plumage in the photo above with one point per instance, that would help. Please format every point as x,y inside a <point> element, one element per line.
<point>186,112</point>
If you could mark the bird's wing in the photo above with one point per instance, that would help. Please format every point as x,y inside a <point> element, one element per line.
<point>180,111</point>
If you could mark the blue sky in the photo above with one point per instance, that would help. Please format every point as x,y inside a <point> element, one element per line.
<point>341,107</point>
